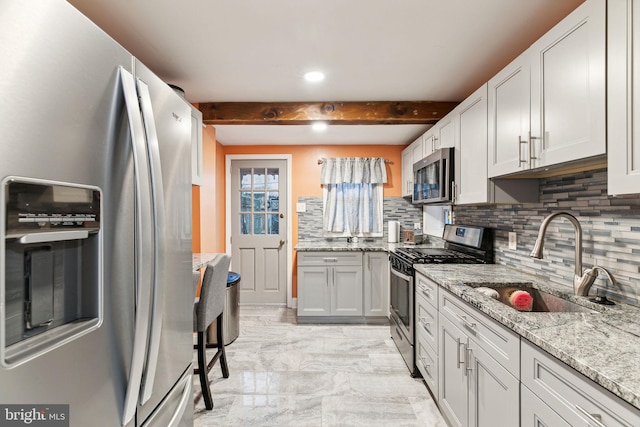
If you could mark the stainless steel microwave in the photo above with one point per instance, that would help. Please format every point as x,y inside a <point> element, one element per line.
<point>433,178</point>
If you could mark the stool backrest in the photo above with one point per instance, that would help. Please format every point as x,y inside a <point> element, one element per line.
<point>212,292</point>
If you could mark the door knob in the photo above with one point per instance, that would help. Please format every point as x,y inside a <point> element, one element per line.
<point>281,215</point>
<point>281,244</point>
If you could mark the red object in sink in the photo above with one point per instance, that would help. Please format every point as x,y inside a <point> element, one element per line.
<point>521,300</point>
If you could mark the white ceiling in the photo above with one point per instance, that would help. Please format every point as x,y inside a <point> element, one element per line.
<point>370,50</point>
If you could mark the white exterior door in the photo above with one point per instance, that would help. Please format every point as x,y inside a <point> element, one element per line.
<point>259,229</point>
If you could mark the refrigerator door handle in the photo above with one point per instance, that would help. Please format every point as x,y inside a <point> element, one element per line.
<point>157,192</point>
<point>143,237</point>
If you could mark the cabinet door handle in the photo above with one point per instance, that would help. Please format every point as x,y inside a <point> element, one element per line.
<point>531,147</point>
<point>591,418</point>
<point>467,360</point>
<point>520,142</point>
<point>460,361</point>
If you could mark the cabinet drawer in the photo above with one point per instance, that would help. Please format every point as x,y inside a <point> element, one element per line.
<point>535,413</point>
<point>574,397</point>
<point>427,321</point>
<point>501,343</point>
<point>427,363</point>
<point>329,258</point>
<point>428,289</point>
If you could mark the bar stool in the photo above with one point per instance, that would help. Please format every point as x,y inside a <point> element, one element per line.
<point>210,307</point>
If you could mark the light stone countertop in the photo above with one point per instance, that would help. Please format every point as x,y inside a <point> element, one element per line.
<point>604,346</point>
<point>199,260</point>
<point>361,246</point>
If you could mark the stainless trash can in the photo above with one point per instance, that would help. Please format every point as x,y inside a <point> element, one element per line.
<point>230,315</point>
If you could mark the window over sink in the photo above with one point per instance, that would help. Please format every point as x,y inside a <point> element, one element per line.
<point>353,196</point>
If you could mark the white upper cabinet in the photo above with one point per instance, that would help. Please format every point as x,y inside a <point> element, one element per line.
<point>470,117</point>
<point>410,155</point>
<point>196,146</point>
<point>548,106</point>
<point>441,135</point>
<point>472,184</point>
<point>509,111</point>
<point>623,35</point>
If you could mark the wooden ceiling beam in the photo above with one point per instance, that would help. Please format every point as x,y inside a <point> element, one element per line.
<point>340,113</point>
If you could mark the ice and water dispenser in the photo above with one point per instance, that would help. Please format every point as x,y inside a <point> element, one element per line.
<point>51,284</point>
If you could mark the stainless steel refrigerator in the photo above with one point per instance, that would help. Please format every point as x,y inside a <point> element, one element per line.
<point>96,299</point>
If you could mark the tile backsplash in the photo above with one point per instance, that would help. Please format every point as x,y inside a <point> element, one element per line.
<point>610,227</point>
<point>394,209</point>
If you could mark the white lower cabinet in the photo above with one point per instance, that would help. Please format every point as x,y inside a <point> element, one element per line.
<point>330,284</point>
<point>376,284</point>
<point>343,284</point>
<point>426,326</point>
<point>535,413</point>
<point>487,376</point>
<point>494,394</point>
<point>476,358</point>
<point>571,396</point>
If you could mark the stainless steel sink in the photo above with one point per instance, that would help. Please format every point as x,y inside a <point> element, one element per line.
<point>544,302</point>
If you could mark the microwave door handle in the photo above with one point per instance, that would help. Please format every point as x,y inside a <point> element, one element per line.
<point>143,237</point>
<point>443,176</point>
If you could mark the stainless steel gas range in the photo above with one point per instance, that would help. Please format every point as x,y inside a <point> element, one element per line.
<point>464,244</point>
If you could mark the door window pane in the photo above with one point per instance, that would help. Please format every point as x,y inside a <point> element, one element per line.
<point>258,179</point>
<point>245,223</point>
<point>245,201</point>
<point>258,201</point>
<point>272,179</point>
<point>258,224</point>
<point>255,202</point>
<point>273,201</point>
<point>245,179</point>
<point>273,224</point>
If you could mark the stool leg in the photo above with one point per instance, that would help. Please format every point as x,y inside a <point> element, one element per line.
<point>223,354</point>
<point>203,371</point>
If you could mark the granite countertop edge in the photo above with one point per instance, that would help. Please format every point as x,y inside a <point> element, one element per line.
<point>613,361</point>
<point>361,246</point>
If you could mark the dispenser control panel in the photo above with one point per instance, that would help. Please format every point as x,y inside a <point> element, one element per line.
<point>33,207</point>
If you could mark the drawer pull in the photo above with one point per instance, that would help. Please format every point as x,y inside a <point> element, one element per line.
<point>425,324</point>
<point>426,291</point>
<point>468,324</point>
<point>330,259</point>
<point>596,419</point>
<point>425,365</point>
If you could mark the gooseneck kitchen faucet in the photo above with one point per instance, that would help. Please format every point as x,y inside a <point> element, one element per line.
<point>581,282</point>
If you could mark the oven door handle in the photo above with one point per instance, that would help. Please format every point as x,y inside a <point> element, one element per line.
<point>400,275</point>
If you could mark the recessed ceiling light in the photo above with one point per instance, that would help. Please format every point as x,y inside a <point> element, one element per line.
<point>319,126</point>
<point>314,76</point>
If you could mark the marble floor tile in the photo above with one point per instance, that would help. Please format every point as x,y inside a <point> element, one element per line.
<point>285,374</point>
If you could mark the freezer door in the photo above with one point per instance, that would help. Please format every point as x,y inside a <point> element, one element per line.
<point>176,409</point>
<point>171,340</point>
<point>63,120</point>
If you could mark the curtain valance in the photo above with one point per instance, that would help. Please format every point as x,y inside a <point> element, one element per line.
<point>353,170</point>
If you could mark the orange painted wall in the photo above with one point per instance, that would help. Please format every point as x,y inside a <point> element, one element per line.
<point>207,218</point>
<point>306,173</point>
